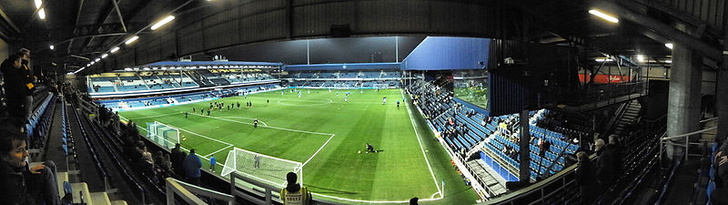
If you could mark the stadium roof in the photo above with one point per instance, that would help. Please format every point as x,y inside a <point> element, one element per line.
<point>343,66</point>
<point>211,63</point>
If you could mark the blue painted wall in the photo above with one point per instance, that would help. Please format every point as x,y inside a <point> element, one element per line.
<point>449,53</point>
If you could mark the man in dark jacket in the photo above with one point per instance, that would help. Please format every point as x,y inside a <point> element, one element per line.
<point>15,89</point>
<point>604,165</point>
<point>192,167</point>
<point>20,184</point>
<point>585,178</point>
<point>28,80</point>
<point>178,157</point>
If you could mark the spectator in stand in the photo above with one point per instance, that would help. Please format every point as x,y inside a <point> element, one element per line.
<point>28,80</point>
<point>604,165</point>
<point>15,89</point>
<point>721,179</point>
<point>585,178</point>
<point>192,165</point>
<point>22,184</point>
<point>178,158</point>
<point>294,193</point>
<point>616,149</point>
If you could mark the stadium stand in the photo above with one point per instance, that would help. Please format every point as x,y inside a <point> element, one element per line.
<point>467,132</point>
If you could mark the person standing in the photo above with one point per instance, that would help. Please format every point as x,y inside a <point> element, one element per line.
<point>178,157</point>
<point>257,161</point>
<point>295,193</point>
<point>255,123</point>
<point>15,89</point>
<point>192,165</point>
<point>28,79</point>
<point>213,161</point>
<point>604,165</point>
<point>585,176</point>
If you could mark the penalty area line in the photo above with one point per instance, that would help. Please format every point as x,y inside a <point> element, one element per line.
<point>319,149</point>
<point>215,152</point>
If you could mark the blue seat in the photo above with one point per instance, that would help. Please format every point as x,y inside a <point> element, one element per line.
<point>67,188</point>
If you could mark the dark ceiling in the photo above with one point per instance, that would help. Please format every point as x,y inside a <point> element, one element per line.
<point>81,30</point>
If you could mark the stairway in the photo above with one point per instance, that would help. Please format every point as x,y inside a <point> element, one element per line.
<point>480,169</point>
<point>630,117</point>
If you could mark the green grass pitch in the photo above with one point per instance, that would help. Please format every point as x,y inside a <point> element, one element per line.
<point>323,131</point>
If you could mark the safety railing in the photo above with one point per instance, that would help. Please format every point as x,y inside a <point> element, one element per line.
<point>188,193</point>
<point>101,168</point>
<point>134,183</point>
<point>668,140</point>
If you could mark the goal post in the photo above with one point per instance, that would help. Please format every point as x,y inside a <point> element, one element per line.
<point>264,168</point>
<point>163,135</point>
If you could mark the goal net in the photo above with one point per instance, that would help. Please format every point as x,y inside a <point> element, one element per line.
<point>267,169</point>
<point>164,135</point>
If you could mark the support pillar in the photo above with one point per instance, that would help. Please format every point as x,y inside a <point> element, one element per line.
<point>683,109</point>
<point>721,97</point>
<point>524,168</point>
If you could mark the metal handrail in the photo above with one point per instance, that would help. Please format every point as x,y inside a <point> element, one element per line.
<point>187,193</point>
<point>689,133</point>
<point>666,140</point>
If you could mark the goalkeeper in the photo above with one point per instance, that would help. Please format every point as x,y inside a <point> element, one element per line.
<point>370,148</point>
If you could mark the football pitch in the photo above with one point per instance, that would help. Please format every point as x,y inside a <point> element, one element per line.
<point>325,132</point>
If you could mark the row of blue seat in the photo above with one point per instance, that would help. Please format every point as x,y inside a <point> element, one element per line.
<point>39,123</point>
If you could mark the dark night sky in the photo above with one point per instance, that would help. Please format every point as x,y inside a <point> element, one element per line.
<point>328,50</point>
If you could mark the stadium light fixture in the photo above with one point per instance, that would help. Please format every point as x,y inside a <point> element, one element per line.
<point>669,45</point>
<point>113,50</point>
<point>131,40</point>
<point>104,55</point>
<point>604,16</point>
<point>97,60</point>
<point>162,22</point>
<point>52,47</point>
<point>603,60</point>
<point>41,13</point>
<point>641,58</point>
<point>668,61</point>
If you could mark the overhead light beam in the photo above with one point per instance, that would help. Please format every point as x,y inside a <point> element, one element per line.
<point>604,16</point>
<point>162,22</point>
<point>131,40</point>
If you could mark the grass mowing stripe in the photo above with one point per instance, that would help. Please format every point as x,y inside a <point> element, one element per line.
<point>271,127</point>
<point>417,133</point>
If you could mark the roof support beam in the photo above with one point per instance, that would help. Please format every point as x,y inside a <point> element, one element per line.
<point>104,15</point>
<point>666,31</point>
<point>34,16</point>
<point>118,12</point>
<point>8,20</point>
